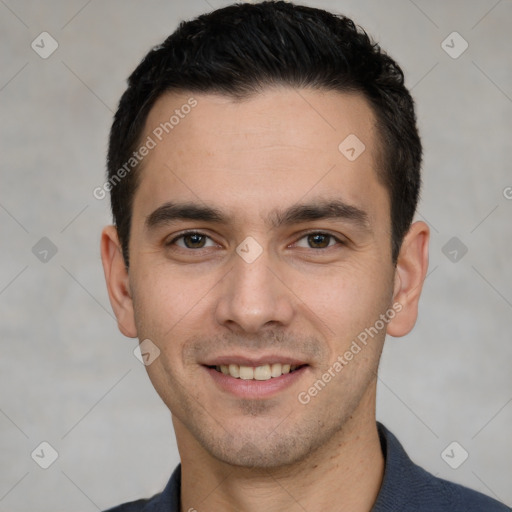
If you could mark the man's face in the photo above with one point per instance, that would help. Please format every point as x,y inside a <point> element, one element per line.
<point>289,260</point>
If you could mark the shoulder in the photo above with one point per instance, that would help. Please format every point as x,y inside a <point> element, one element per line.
<point>408,487</point>
<point>439,495</point>
<point>147,505</point>
<point>166,501</point>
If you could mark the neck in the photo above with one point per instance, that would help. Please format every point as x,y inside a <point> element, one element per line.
<point>345,474</point>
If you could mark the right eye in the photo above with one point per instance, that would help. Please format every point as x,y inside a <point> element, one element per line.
<point>191,240</point>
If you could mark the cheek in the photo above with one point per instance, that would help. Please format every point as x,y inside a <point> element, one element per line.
<point>165,298</point>
<point>347,299</point>
<point>170,307</point>
<point>166,309</point>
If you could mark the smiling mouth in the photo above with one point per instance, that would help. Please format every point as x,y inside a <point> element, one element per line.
<point>263,372</point>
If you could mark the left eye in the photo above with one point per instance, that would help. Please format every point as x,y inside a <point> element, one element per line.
<point>192,241</point>
<point>318,241</point>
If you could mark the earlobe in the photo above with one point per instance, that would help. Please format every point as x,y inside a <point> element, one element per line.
<point>117,280</point>
<point>411,269</point>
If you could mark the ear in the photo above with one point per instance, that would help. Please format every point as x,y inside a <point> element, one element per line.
<point>118,284</point>
<point>410,272</point>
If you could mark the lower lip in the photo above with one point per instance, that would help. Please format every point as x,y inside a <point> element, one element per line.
<point>255,388</point>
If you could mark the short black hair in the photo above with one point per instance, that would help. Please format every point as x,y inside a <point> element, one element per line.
<point>244,48</point>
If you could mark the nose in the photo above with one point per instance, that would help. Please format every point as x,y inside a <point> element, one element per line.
<point>254,296</point>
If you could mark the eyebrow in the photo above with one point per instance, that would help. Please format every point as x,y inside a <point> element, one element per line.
<point>317,210</point>
<point>320,210</point>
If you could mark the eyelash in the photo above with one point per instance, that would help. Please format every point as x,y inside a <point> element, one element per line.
<point>305,235</point>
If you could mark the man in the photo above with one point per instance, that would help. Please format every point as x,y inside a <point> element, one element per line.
<point>264,173</point>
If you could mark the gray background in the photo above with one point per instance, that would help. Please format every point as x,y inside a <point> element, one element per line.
<point>68,376</point>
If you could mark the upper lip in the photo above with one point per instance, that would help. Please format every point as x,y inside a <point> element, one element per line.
<point>242,360</point>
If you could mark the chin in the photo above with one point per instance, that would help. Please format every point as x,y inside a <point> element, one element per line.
<point>249,456</point>
<point>260,451</point>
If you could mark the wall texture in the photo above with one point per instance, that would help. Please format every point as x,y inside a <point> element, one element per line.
<point>69,378</point>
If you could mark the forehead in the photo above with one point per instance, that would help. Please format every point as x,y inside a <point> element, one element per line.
<point>275,147</point>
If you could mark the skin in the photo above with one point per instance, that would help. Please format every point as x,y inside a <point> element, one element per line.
<point>310,300</point>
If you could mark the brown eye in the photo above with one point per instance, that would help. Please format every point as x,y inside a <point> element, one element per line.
<point>192,241</point>
<point>317,241</point>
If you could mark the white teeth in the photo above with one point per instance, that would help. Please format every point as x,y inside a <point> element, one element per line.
<point>276,370</point>
<point>246,372</point>
<point>264,372</point>
<point>234,370</point>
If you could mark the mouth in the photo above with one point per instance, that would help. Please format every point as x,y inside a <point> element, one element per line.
<point>257,379</point>
<point>262,372</point>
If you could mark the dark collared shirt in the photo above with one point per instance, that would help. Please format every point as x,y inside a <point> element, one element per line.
<point>405,488</point>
